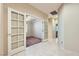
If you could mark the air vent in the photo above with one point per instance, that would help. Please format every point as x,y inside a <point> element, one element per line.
<point>53,12</point>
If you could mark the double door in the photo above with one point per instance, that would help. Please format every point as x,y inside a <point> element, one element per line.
<point>16,31</point>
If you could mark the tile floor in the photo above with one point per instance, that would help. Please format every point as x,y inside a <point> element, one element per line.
<point>47,49</point>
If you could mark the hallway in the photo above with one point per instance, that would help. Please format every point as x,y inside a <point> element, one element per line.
<point>45,20</point>
<point>46,49</point>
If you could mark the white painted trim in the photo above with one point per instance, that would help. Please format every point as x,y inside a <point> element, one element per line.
<point>9,30</point>
<point>25,31</point>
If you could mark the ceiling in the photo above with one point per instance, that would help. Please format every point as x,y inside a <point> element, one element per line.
<point>46,7</point>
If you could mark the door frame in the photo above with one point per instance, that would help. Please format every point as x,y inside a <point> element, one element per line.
<point>39,18</point>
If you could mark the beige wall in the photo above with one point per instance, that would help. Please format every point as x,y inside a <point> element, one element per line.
<point>26,8</point>
<point>3,38</point>
<point>19,7</point>
<point>50,35</point>
<point>30,28</point>
<point>4,29</point>
<point>69,15</point>
<point>1,48</point>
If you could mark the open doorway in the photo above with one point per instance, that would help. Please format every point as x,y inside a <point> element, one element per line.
<point>34,32</point>
<point>55,28</point>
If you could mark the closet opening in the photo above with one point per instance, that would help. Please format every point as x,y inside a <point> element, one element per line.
<point>34,33</point>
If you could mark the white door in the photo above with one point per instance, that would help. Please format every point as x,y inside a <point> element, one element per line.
<point>16,32</point>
